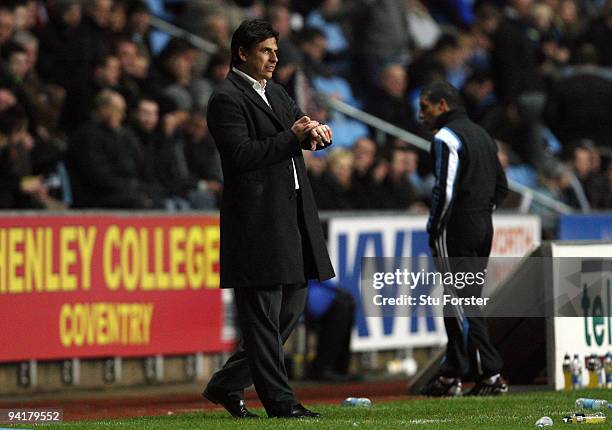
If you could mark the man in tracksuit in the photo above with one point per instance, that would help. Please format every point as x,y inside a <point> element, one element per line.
<point>470,183</point>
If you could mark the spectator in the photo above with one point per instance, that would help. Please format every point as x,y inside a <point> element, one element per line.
<point>80,99</point>
<point>170,166</point>
<point>217,69</point>
<point>599,34</point>
<point>579,105</point>
<point>330,311</point>
<point>63,56</point>
<point>21,185</point>
<point>25,15</point>
<point>513,54</point>
<point>334,192</point>
<point>338,53</point>
<point>103,160</point>
<point>390,103</point>
<point>203,162</point>
<point>367,190</point>
<point>593,184</point>
<point>438,62</point>
<point>569,22</point>
<point>479,97</point>
<point>515,171</point>
<point>118,19</point>
<point>290,74</point>
<point>174,74</point>
<point>190,183</point>
<point>44,100</point>
<point>552,54</point>
<point>138,27</point>
<point>346,130</point>
<point>518,83</point>
<point>279,17</point>
<point>143,125</point>
<point>97,34</point>
<point>7,25</point>
<point>399,192</point>
<point>134,70</point>
<point>379,35</point>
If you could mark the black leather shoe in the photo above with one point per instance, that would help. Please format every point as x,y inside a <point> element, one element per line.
<point>298,411</point>
<point>235,406</point>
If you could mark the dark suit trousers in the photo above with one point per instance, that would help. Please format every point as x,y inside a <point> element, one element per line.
<point>469,351</point>
<point>266,317</point>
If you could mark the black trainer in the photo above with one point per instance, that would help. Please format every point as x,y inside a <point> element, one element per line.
<point>492,386</point>
<point>443,387</point>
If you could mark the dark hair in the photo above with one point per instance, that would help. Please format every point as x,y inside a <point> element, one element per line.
<point>445,42</point>
<point>101,60</point>
<point>250,33</point>
<point>439,90</point>
<point>12,48</point>
<point>309,34</point>
<point>585,54</point>
<point>13,119</point>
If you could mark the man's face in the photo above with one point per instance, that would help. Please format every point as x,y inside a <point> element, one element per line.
<point>7,25</point>
<point>394,81</point>
<point>197,127</point>
<point>430,111</point>
<point>582,162</point>
<point>127,53</point>
<point>113,114</point>
<point>111,72</point>
<point>400,162</point>
<point>260,61</point>
<point>140,21</point>
<point>364,153</point>
<point>18,64</point>
<point>7,99</point>
<point>101,12</point>
<point>147,115</point>
<point>72,15</point>
<point>316,49</point>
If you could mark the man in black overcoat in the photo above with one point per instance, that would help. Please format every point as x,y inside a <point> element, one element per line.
<point>271,239</point>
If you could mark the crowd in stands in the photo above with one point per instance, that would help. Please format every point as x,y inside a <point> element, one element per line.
<point>100,110</point>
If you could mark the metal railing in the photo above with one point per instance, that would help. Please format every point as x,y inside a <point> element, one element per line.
<point>173,30</point>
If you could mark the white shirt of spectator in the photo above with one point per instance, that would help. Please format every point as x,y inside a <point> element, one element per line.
<point>261,90</point>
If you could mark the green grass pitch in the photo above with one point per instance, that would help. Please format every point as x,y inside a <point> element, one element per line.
<point>512,411</point>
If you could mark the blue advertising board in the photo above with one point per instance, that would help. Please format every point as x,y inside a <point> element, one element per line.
<point>585,227</point>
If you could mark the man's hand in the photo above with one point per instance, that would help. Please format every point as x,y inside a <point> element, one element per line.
<point>302,127</point>
<point>321,135</point>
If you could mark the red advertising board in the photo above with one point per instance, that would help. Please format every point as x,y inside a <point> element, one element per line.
<point>109,285</point>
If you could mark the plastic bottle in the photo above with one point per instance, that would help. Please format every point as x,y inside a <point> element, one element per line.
<point>596,418</point>
<point>583,403</point>
<point>608,369</point>
<point>576,367</point>
<point>357,401</point>
<point>567,372</point>
<point>598,369</point>
<point>594,367</point>
<point>544,422</point>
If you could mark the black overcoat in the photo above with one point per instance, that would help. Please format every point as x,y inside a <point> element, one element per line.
<point>261,244</point>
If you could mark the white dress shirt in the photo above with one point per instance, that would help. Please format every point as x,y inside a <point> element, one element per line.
<point>260,88</point>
